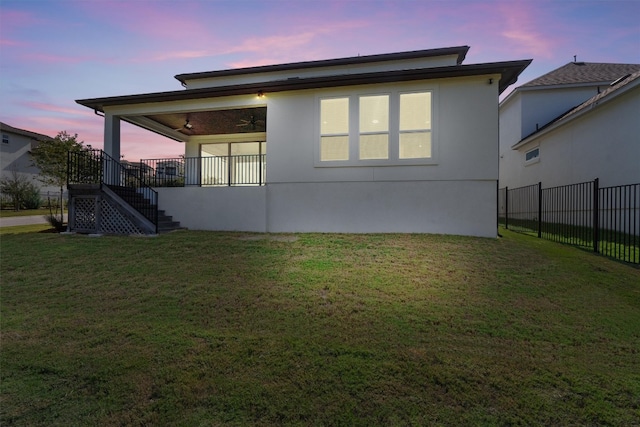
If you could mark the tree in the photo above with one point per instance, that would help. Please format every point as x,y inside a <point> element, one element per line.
<point>50,157</point>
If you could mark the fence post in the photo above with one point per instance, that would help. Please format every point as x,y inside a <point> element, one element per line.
<point>539,209</point>
<point>506,207</point>
<point>596,214</point>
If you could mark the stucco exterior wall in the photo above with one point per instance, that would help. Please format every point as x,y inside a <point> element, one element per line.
<point>441,207</point>
<point>453,194</point>
<point>15,156</point>
<point>603,143</point>
<point>510,162</point>
<point>465,136</point>
<point>440,61</point>
<point>216,208</point>
<point>541,106</point>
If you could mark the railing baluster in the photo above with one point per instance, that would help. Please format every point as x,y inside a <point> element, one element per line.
<point>606,220</point>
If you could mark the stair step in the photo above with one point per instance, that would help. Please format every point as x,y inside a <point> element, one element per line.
<point>165,223</point>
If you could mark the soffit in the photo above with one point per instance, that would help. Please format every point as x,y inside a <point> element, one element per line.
<point>218,122</point>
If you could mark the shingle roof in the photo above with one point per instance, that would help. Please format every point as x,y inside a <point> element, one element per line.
<point>584,72</point>
<point>629,78</point>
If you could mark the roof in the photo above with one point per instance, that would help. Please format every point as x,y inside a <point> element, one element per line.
<point>509,72</point>
<point>459,51</point>
<point>33,135</point>
<point>583,73</point>
<point>621,85</point>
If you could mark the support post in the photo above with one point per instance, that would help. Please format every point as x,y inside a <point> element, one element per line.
<point>506,207</point>
<point>539,209</point>
<point>596,215</point>
<point>111,148</point>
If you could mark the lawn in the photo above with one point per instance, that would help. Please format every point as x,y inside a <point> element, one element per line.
<point>202,328</point>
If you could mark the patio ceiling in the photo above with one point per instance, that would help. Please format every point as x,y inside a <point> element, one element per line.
<point>216,122</point>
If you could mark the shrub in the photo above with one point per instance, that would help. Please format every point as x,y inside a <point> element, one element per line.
<point>31,197</point>
<point>20,191</point>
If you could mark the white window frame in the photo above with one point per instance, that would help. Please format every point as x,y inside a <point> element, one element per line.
<point>394,127</point>
<point>536,159</point>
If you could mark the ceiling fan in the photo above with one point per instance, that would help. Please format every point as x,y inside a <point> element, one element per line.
<point>253,122</point>
<point>186,126</point>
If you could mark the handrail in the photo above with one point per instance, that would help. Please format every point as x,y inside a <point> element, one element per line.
<point>97,167</point>
<point>234,170</point>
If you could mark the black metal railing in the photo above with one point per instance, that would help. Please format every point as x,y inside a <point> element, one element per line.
<point>97,167</point>
<point>605,220</point>
<point>240,170</point>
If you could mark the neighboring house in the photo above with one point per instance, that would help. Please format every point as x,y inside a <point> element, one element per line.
<point>574,124</point>
<point>402,142</point>
<point>15,154</point>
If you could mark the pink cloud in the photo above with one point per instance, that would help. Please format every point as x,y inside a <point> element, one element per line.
<point>12,43</point>
<point>12,19</point>
<point>55,108</point>
<point>48,58</point>
<point>160,21</point>
<point>523,29</point>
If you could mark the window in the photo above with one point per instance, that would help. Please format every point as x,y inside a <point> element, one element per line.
<point>532,156</point>
<point>334,129</point>
<point>376,129</point>
<point>415,125</point>
<point>233,163</point>
<point>5,139</point>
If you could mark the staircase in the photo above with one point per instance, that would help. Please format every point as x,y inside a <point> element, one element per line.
<point>106,198</point>
<point>133,198</point>
<point>166,223</point>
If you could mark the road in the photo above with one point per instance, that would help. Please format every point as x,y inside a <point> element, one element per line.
<point>24,220</point>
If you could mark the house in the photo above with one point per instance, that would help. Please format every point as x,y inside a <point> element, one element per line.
<point>15,156</point>
<point>400,142</point>
<point>571,125</point>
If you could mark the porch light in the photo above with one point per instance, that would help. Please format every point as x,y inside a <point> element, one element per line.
<point>260,94</point>
<point>188,125</point>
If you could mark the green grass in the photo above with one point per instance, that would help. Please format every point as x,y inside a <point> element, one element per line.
<point>202,328</point>
<point>20,229</point>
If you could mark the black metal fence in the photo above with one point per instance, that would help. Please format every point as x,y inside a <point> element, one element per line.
<point>606,220</point>
<point>240,170</point>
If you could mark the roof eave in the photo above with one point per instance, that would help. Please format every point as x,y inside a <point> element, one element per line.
<point>460,51</point>
<point>573,116</point>
<point>509,72</point>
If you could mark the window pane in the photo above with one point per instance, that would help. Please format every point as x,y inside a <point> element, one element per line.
<point>208,150</point>
<point>374,146</point>
<point>334,148</point>
<point>415,111</point>
<point>374,113</point>
<point>334,116</point>
<point>415,145</point>
<point>244,148</point>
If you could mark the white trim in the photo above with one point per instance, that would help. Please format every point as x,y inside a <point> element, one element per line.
<point>536,159</point>
<point>393,131</point>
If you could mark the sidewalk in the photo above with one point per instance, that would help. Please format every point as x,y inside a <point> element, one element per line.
<point>24,220</point>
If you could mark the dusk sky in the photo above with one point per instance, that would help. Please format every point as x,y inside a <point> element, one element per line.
<point>53,52</point>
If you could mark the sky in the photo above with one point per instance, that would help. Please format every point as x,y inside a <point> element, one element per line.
<point>53,52</point>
